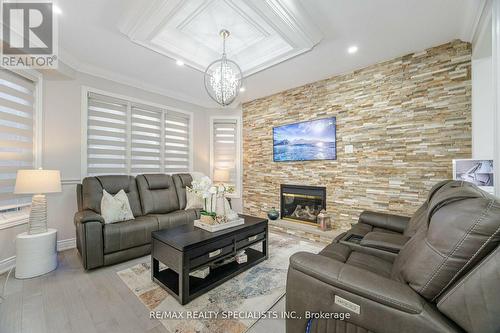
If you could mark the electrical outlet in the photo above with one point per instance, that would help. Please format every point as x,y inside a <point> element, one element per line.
<point>349,149</point>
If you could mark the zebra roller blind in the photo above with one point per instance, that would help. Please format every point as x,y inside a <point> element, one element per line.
<point>126,137</point>
<point>17,120</point>
<point>224,143</point>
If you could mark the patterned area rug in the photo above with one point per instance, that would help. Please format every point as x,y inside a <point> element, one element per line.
<point>255,290</point>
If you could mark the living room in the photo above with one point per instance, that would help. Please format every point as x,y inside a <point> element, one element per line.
<point>263,166</point>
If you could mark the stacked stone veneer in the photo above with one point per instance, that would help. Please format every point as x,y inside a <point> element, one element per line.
<point>407,119</point>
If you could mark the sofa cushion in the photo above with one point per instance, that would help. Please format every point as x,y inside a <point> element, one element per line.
<point>124,235</point>
<point>157,194</point>
<point>370,263</point>
<point>176,218</point>
<point>92,191</point>
<point>343,253</point>
<point>462,227</point>
<point>181,180</point>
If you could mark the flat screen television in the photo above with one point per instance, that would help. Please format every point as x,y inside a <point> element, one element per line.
<point>305,141</point>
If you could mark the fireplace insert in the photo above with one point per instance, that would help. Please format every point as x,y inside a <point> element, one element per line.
<point>302,203</point>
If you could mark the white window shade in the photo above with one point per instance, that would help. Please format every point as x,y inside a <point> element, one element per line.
<point>177,144</point>
<point>225,143</point>
<point>146,140</point>
<point>129,137</point>
<point>106,135</point>
<point>17,100</point>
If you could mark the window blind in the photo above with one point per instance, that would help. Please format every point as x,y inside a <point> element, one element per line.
<point>17,100</point>
<point>225,143</point>
<point>126,137</point>
<point>177,146</point>
<point>106,136</point>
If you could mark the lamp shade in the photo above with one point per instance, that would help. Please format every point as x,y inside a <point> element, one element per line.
<point>221,175</point>
<point>37,181</point>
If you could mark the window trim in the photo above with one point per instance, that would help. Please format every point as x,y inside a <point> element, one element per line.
<point>84,122</point>
<point>21,217</point>
<point>239,185</point>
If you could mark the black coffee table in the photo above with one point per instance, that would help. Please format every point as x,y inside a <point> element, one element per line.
<point>187,248</point>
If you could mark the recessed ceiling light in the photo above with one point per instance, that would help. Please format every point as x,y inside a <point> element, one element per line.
<point>242,89</point>
<point>56,10</point>
<point>179,63</point>
<point>352,49</point>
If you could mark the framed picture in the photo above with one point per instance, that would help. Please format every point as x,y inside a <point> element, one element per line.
<point>478,172</point>
<point>305,141</point>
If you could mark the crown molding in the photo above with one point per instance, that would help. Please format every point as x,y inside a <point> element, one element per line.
<point>273,31</point>
<point>102,73</point>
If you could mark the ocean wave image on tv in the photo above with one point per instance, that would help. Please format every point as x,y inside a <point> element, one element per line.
<point>305,141</point>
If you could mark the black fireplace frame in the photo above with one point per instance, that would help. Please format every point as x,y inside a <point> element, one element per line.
<point>302,190</point>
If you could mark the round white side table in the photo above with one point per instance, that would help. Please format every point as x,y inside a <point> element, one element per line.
<point>35,254</point>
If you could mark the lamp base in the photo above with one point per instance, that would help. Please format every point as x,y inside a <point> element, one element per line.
<point>38,215</point>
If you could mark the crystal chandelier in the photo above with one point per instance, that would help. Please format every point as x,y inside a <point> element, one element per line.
<point>223,77</point>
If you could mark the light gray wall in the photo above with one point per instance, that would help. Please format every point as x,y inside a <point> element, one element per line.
<point>62,100</point>
<point>482,109</point>
<point>483,117</point>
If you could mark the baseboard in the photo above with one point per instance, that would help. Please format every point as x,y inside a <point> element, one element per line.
<point>66,244</point>
<point>62,245</point>
<point>7,263</point>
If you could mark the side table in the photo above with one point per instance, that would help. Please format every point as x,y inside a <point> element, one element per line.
<point>35,254</point>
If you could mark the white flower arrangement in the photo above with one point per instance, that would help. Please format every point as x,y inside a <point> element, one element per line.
<point>204,188</point>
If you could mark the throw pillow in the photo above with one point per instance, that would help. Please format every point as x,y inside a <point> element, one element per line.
<point>115,208</point>
<point>193,200</point>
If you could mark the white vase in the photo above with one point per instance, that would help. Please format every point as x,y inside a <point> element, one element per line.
<point>220,208</point>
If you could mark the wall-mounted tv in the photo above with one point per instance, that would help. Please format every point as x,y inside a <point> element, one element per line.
<point>305,141</point>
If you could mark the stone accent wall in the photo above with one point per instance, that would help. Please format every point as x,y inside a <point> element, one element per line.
<point>407,118</point>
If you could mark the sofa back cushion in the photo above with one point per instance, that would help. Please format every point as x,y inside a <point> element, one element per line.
<point>158,194</point>
<point>181,180</point>
<point>92,191</point>
<point>462,226</point>
<point>420,216</point>
<point>466,303</point>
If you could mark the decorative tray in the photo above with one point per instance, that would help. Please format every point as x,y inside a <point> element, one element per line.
<point>218,227</point>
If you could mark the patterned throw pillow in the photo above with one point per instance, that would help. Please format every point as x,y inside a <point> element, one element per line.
<point>115,208</point>
<point>193,200</point>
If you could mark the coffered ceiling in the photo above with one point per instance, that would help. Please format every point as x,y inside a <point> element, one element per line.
<point>279,44</point>
<point>263,33</point>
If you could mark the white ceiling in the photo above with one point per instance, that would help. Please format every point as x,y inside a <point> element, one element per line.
<point>111,38</point>
<point>263,33</point>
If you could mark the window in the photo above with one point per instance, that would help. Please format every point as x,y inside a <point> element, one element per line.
<point>225,149</point>
<point>17,135</point>
<point>129,137</point>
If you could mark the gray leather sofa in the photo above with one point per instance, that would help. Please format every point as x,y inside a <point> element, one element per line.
<point>157,201</point>
<point>385,234</point>
<point>445,278</point>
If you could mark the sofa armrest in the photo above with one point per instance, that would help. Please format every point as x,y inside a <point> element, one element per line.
<point>85,216</point>
<point>384,241</point>
<point>387,221</point>
<point>89,238</point>
<point>358,281</point>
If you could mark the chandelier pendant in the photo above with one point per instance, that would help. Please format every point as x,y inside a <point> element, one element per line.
<point>223,77</point>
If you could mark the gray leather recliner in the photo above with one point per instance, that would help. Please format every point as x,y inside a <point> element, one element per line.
<point>157,201</point>
<point>444,279</point>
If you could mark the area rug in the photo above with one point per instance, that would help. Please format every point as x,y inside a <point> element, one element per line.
<point>250,293</point>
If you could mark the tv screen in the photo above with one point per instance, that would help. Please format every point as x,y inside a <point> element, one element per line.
<point>305,141</point>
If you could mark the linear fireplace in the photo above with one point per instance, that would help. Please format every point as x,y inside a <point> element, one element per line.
<point>302,203</point>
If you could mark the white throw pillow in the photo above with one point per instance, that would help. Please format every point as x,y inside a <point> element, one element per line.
<point>193,200</point>
<point>115,208</point>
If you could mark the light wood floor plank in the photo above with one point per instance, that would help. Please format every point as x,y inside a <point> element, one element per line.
<point>71,300</point>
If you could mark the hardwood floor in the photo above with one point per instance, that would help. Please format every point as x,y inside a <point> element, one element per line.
<point>72,300</point>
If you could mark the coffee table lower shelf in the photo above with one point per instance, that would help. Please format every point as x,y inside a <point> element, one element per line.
<point>169,279</point>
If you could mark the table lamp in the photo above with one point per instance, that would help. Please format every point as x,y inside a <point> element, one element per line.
<point>38,182</point>
<point>221,176</point>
